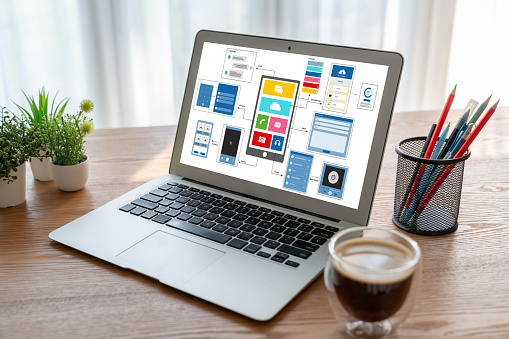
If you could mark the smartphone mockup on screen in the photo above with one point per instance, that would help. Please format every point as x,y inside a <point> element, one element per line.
<point>230,145</point>
<point>274,110</point>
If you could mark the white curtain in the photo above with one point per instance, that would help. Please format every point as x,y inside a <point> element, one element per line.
<point>131,57</point>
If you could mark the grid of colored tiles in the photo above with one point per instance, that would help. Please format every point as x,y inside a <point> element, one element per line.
<point>312,77</point>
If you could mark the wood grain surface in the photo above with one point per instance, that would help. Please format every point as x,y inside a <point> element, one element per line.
<point>48,290</point>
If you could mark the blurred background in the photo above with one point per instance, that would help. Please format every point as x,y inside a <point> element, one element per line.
<point>131,57</point>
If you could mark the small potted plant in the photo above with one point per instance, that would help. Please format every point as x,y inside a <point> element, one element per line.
<point>66,138</point>
<point>18,142</point>
<point>38,115</point>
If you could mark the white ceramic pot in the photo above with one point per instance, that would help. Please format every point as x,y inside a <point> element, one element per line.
<point>70,178</point>
<point>13,193</point>
<point>41,170</point>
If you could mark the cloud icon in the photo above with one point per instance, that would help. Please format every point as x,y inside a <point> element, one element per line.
<point>342,72</point>
<point>275,106</point>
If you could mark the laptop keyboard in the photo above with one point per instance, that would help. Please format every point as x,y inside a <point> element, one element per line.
<point>236,223</point>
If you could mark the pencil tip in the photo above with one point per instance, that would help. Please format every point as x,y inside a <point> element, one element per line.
<point>495,104</point>
<point>454,89</point>
<point>487,100</point>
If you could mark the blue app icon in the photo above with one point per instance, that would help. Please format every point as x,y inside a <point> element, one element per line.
<point>277,143</point>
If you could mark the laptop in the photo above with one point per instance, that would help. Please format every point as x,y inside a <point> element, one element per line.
<point>278,147</point>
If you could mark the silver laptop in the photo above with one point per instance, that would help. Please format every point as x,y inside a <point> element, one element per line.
<point>278,146</point>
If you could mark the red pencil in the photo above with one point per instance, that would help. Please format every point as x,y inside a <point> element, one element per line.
<point>460,153</point>
<point>431,145</point>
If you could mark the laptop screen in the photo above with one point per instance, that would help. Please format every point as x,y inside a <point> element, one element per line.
<point>298,123</point>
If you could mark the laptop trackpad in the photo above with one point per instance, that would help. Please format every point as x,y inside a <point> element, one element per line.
<point>163,255</point>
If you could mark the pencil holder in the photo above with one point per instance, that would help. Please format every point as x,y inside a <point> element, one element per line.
<point>428,192</point>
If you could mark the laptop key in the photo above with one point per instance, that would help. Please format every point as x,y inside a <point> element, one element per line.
<point>228,213</point>
<point>292,263</point>
<point>187,209</point>
<point>177,205</point>
<point>182,200</point>
<point>194,189</point>
<point>291,232</point>
<point>254,213</point>
<point>172,213</point>
<point>183,186</point>
<point>175,190</point>
<point>267,216</point>
<point>331,228</point>
<point>208,200</point>
<point>286,239</point>
<point>165,203</point>
<point>258,240</point>
<point>252,206</point>
<point>161,209</point>
<point>277,258</point>
<point>291,217</point>
<point>145,204</point>
<point>247,227</point>
<point>277,213</point>
<point>232,231</point>
<point>242,209</point>
<point>172,183</point>
<point>184,216</point>
<point>227,199</point>
<point>234,223</point>
<point>240,217</point>
<point>195,220</point>
<point>317,224</point>
<point>197,196</point>
<point>185,193</point>
<point>304,221</point>
<point>271,244</point>
<point>298,252</point>
<point>207,224</point>
<point>245,236</point>
<point>260,231</point>
<point>217,196</point>
<point>231,206</point>
<point>263,254</point>
<point>252,220</point>
<point>305,228</point>
<point>219,203</point>
<point>279,220</point>
<point>306,245</point>
<point>205,192</point>
<point>273,235</point>
<point>159,193</point>
<point>193,203</point>
<point>199,213</point>
<point>138,211</point>
<point>161,218</point>
<point>165,187</point>
<point>252,248</point>
<point>219,228</point>
<point>319,240</point>
<point>322,233</point>
<point>293,224</point>
<point>278,228</point>
<point>127,208</point>
<point>264,209</point>
<point>222,220</point>
<point>199,231</point>
<point>265,224</point>
<point>204,206</point>
<point>216,210</point>
<point>282,255</point>
<point>149,214</point>
<point>305,236</point>
<point>211,216</point>
<point>237,243</point>
<point>171,196</point>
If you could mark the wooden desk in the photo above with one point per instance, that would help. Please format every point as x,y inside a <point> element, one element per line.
<point>50,290</point>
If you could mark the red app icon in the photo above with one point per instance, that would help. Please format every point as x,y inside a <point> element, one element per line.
<point>261,139</point>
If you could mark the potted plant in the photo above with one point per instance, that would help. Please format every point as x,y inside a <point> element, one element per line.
<point>66,138</point>
<point>18,141</point>
<point>38,115</point>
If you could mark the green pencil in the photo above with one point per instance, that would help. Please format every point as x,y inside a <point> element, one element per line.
<point>479,111</point>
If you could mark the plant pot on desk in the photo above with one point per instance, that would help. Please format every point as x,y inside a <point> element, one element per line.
<point>13,193</point>
<point>41,169</point>
<point>70,178</point>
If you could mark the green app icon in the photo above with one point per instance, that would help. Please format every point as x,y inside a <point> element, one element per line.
<point>262,121</point>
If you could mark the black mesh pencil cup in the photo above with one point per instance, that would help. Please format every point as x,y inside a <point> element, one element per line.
<point>428,192</point>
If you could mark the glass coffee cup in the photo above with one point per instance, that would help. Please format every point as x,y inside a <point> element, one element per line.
<point>372,278</point>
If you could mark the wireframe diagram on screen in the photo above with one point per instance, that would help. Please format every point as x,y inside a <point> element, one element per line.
<point>273,115</point>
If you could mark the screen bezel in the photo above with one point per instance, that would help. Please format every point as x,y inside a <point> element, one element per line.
<point>359,216</point>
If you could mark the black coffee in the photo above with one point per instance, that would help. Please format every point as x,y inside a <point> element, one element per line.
<point>364,294</point>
